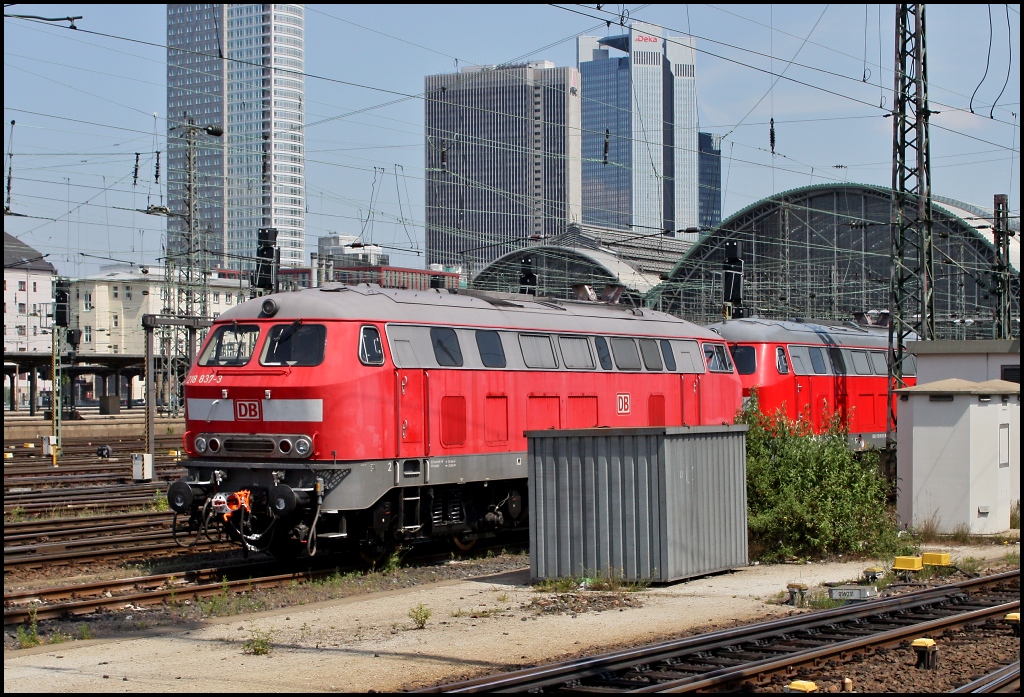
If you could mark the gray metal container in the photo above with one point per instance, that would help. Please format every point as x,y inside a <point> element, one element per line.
<point>657,504</point>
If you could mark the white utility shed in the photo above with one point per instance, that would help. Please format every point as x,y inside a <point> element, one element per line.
<point>958,454</point>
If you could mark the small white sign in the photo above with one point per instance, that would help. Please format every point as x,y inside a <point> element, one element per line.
<point>622,403</point>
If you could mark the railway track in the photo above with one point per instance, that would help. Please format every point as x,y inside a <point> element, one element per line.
<point>1002,680</point>
<point>751,655</point>
<point>87,598</point>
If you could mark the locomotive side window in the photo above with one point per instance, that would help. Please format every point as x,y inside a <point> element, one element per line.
<point>717,358</point>
<point>745,357</point>
<point>445,342</point>
<point>910,366</point>
<point>651,353</point>
<point>603,354</point>
<point>879,362</point>
<point>626,355</point>
<point>689,357</point>
<point>817,360</point>
<point>860,363</point>
<point>576,352</point>
<point>231,344</point>
<point>838,363</point>
<point>295,344</point>
<point>666,352</point>
<point>491,351</point>
<point>780,361</point>
<point>537,351</point>
<point>370,351</point>
<point>801,360</point>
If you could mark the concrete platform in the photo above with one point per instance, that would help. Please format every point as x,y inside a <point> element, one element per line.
<point>21,426</point>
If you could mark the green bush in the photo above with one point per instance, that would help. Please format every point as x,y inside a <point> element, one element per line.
<point>810,495</point>
<point>419,615</point>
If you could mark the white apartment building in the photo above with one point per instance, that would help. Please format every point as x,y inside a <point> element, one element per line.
<point>28,298</point>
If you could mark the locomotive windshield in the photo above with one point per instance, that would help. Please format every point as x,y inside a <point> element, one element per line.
<point>295,344</point>
<point>231,344</point>
<point>745,357</point>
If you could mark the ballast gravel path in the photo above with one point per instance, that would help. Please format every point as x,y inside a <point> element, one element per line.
<point>369,642</point>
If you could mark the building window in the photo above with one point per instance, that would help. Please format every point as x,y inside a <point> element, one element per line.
<point>87,334</point>
<point>114,318</point>
<point>114,347</point>
<point>88,302</point>
<point>115,291</point>
<point>35,289</point>
<point>227,298</point>
<point>127,292</point>
<point>21,330</point>
<point>21,285</point>
<point>216,298</point>
<point>21,308</point>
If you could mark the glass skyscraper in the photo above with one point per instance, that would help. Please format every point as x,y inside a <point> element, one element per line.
<point>239,67</point>
<point>639,118</point>
<point>710,166</point>
<point>502,160</point>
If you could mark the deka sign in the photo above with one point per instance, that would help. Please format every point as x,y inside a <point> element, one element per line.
<point>643,38</point>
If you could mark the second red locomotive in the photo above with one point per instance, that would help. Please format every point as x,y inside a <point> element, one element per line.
<point>814,371</point>
<point>371,416</point>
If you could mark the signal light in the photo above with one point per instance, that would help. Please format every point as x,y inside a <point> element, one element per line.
<point>62,303</point>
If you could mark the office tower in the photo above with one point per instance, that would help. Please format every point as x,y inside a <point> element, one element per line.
<point>710,167</point>
<point>639,118</point>
<point>238,67</point>
<point>502,160</point>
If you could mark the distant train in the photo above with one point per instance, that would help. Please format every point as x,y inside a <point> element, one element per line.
<point>813,371</point>
<point>367,416</point>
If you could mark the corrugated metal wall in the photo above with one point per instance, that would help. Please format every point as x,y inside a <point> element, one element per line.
<point>658,504</point>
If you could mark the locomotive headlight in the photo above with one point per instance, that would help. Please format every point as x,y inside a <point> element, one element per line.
<point>200,444</point>
<point>284,445</point>
<point>303,446</point>
<point>214,445</point>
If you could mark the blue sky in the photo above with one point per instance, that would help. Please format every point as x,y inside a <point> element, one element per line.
<point>84,105</point>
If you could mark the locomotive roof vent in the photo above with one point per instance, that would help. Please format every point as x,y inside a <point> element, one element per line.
<point>269,307</point>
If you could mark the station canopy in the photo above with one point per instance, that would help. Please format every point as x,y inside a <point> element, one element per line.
<point>822,252</point>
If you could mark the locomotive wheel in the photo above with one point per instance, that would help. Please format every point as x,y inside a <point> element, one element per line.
<point>371,553</point>
<point>464,542</point>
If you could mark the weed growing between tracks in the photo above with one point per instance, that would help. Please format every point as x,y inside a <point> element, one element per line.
<point>809,495</point>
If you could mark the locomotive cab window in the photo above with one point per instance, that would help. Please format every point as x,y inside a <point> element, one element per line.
<point>492,353</point>
<point>717,358</point>
<point>447,351</point>
<point>370,350</point>
<point>745,358</point>
<point>603,354</point>
<point>651,354</point>
<point>231,344</point>
<point>295,344</point>
<point>781,364</point>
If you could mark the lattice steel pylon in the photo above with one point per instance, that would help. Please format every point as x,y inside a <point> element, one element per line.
<point>187,271</point>
<point>911,285</point>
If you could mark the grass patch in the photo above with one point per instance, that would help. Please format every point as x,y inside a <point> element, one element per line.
<point>820,600</point>
<point>28,636</point>
<point>160,502</point>
<point>565,584</point>
<point>419,615</point>
<point>614,581</point>
<point>927,530</point>
<point>259,642</point>
<point>961,533</point>
<point>1012,558</point>
<point>970,565</point>
<point>1015,515</point>
<point>85,632</point>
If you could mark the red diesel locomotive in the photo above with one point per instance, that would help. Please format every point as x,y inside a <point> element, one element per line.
<point>369,416</point>
<point>813,371</point>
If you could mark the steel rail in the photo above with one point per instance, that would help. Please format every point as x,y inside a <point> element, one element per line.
<point>559,674</point>
<point>1005,679</point>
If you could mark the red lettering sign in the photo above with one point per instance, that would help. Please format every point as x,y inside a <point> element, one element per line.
<point>247,409</point>
<point>622,403</point>
<point>643,38</point>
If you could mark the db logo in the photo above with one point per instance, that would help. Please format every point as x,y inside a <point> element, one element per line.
<point>646,39</point>
<point>247,409</point>
<point>622,403</point>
